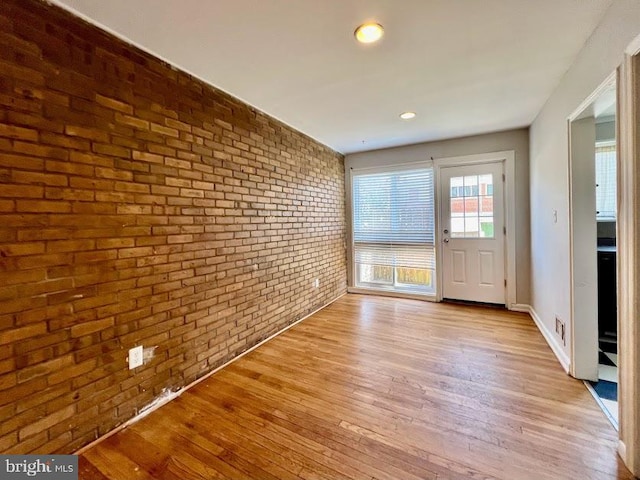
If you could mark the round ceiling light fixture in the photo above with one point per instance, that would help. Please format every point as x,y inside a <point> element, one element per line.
<point>408,115</point>
<point>369,32</point>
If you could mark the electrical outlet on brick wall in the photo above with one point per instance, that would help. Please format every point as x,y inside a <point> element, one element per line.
<point>136,357</point>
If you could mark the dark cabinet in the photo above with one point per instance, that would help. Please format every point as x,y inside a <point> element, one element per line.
<point>607,293</point>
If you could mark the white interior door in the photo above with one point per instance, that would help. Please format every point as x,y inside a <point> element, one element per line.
<point>473,232</point>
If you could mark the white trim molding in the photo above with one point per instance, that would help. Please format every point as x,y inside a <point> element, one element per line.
<point>628,227</point>
<point>521,307</point>
<point>583,269</point>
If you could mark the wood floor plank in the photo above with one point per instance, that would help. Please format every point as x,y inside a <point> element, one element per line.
<point>323,432</point>
<point>378,388</point>
<point>88,471</point>
<point>289,435</point>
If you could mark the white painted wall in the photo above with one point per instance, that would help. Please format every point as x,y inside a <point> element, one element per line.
<point>605,131</point>
<point>549,160</point>
<point>516,140</point>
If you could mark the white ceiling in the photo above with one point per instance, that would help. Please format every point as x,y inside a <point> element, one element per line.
<point>465,66</point>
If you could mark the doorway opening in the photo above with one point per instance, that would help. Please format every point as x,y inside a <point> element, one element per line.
<point>593,223</point>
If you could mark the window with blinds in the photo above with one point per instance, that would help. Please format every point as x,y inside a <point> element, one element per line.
<point>393,231</point>
<point>606,181</point>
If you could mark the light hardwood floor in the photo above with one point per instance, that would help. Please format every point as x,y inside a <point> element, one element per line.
<point>378,388</point>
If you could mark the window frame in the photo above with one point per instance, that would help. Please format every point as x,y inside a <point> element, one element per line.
<point>607,144</point>
<point>395,287</point>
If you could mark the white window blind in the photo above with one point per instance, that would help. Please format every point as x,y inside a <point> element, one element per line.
<point>393,230</point>
<point>606,181</point>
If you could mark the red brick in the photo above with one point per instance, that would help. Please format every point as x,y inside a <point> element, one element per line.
<point>16,334</point>
<point>69,167</point>
<point>148,157</point>
<point>41,206</point>
<point>22,73</point>
<point>132,121</point>
<point>21,133</point>
<point>90,159</point>
<point>134,212</point>
<point>89,133</point>
<point>43,261</point>
<point>21,191</point>
<point>113,104</point>
<point>171,132</point>
<point>47,422</point>
<point>26,276</point>
<point>111,150</point>
<point>21,176</point>
<point>22,249</point>
<point>70,245</point>
<point>169,122</point>
<point>64,141</point>
<point>91,327</point>
<point>8,441</point>
<point>30,373</point>
<point>69,194</point>
<point>7,381</point>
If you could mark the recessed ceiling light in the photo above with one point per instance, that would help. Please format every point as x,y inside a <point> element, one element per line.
<point>407,115</point>
<point>369,32</point>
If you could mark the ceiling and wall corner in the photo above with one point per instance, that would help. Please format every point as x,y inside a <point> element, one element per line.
<point>465,67</point>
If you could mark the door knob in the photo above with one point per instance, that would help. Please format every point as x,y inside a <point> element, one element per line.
<point>446,240</point>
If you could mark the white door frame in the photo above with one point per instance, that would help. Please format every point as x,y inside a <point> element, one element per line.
<point>628,227</point>
<point>583,271</point>
<point>508,159</point>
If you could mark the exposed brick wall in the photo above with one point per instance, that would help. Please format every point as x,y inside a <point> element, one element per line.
<point>140,206</point>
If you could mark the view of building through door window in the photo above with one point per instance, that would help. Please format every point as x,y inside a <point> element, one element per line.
<point>472,206</point>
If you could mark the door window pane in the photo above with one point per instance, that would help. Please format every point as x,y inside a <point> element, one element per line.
<point>486,227</point>
<point>471,208</point>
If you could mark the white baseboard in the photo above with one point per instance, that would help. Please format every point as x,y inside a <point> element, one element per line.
<point>560,354</point>
<point>167,396</point>
<point>629,462</point>
<point>520,307</point>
